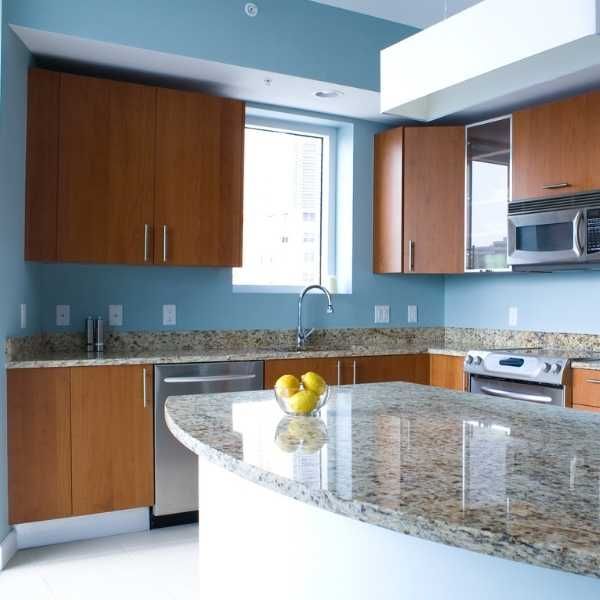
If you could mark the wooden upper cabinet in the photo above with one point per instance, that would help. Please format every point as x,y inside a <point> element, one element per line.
<point>555,148</point>
<point>434,199</point>
<point>42,165</point>
<point>39,444</point>
<point>199,179</point>
<point>112,438</point>
<point>106,170</point>
<point>387,201</point>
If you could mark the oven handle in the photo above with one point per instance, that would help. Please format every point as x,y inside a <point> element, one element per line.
<point>516,396</point>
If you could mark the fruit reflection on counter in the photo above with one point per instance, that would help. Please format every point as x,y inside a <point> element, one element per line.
<point>301,434</point>
<point>304,396</point>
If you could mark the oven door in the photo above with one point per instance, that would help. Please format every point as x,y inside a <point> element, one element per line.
<point>518,390</point>
<point>547,237</point>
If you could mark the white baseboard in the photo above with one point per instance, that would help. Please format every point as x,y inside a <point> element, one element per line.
<point>57,531</point>
<point>8,548</point>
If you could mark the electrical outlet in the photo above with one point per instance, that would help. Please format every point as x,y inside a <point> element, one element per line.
<point>382,313</point>
<point>23,316</point>
<point>115,315</point>
<point>513,316</point>
<point>63,315</point>
<point>413,313</point>
<point>169,314</point>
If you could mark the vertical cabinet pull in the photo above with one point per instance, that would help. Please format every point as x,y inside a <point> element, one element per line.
<point>144,388</point>
<point>354,373</point>
<point>165,241</point>
<point>146,240</point>
<point>411,256</point>
<point>339,372</point>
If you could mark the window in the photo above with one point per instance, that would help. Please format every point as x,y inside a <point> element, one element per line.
<point>288,206</point>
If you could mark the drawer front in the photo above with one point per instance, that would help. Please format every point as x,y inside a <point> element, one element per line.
<point>586,388</point>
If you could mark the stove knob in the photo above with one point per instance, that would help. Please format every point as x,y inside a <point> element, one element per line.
<point>468,360</point>
<point>478,361</point>
<point>546,367</point>
<point>556,368</point>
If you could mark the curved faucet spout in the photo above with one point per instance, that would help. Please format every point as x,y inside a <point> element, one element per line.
<point>304,334</point>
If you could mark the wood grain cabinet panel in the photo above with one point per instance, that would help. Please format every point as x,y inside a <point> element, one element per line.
<point>106,171</point>
<point>412,368</point>
<point>387,202</point>
<point>586,389</point>
<point>447,372</point>
<point>112,438</point>
<point>199,179</point>
<point>434,199</point>
<point>42,165</point>
<point>39,444</point>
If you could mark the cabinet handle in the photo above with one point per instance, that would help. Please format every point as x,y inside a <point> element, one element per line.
<point>411,256</point>
<point>144,390</point>
<point>146,240</point>
<point>165,239</point>
<point>556,186</point>
<point>596,381</point>
<point>354,373</point>
<point>339,372</point>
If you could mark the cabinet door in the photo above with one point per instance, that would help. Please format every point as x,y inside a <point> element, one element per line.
<point>447,372</point>
<point>199,179</point>
<point>586,389</point>
<point>39,444</point>
<point>387,202</point>
<point>326,367</point>
<point>550,148</point>
<point>106,171</point>
<point>411,368</point>
<point>434,199</point>
<point>112,438</point>
<point>42,165</point>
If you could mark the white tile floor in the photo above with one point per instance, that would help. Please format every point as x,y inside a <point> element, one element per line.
<point>159,564</point>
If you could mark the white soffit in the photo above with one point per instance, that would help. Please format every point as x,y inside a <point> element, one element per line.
<point>492,50</point>
<point>231,81</point>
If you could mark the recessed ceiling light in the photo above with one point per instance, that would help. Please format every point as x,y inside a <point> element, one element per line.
<point>328,94</point>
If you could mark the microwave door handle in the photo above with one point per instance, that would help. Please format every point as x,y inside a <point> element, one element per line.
<point>577,243</point>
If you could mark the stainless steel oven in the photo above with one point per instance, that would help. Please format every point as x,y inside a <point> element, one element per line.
<point>518,390</point>
<point>558,231</point>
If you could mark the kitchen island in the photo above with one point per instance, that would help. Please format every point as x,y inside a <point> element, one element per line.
<point>396,491</point>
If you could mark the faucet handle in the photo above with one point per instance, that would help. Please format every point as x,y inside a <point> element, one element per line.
<point>308,333</point>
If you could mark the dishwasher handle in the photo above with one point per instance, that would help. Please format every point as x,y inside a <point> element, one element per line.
<point>516,396</point>
<point>209,378</point>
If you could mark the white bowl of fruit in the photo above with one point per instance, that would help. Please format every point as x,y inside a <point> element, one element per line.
<point>304,396</point>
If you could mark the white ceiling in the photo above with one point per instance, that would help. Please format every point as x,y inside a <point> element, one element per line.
<point>418,13</point>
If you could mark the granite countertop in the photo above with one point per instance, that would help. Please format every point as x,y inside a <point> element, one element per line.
<point>39,360</point>
<point>504,478</point>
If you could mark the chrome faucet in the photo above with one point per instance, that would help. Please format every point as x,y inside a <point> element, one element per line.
<point>304,334</point>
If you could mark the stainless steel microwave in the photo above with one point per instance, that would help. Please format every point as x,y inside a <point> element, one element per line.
<point>564,232</point>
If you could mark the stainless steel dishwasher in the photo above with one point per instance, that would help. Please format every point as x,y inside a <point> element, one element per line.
<point>175,467</point>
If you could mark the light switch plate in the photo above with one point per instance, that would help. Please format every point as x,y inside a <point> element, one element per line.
<point>413,313</point>
<point>382,313</point>
<point>513,316</point>
<point>169,314</point>
<point>23,316</point>
<point>115,315</point>
<point>63,315</point>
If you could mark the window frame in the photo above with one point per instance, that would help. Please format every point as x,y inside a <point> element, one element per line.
<point>328,201</point>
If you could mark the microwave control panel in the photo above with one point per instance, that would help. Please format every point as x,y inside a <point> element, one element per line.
<point>593,231</point>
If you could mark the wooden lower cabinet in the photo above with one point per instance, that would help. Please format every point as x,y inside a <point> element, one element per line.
<point>39,444</point>
<point>344,371</point>
<point>586,390</point>
<point>112,438</point>
<point>447,372</point>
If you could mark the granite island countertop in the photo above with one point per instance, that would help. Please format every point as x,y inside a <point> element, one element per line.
<point>504,478</point>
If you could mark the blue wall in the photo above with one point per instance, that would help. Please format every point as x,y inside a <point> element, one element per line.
<point>562,302</point>
<point>17,279</point>
<point>296,37</point>
<point>205,299</point>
